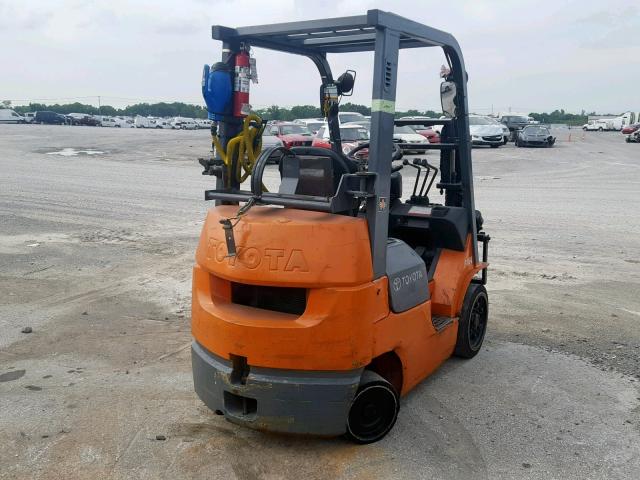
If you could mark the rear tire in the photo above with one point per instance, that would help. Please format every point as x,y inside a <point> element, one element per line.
<point>374,409</point>
<point>472,325</point>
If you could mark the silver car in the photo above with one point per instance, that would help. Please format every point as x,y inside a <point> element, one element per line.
<point>485,132</point>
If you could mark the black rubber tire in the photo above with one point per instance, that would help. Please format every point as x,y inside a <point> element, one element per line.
<point>472,325</point>
<point>374,409</point>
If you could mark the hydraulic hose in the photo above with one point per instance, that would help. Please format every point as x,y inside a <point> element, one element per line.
<point>244,148</point>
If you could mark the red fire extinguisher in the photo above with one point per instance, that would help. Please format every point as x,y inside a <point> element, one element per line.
<point>242,77</point>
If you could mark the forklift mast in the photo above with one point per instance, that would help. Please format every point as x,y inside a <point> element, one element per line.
<point>385,34</point>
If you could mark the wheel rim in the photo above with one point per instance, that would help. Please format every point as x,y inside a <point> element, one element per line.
<point>372,413</point>
<point>478,321</point>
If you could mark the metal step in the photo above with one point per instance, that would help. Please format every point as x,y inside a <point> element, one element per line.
<point>440,323</point>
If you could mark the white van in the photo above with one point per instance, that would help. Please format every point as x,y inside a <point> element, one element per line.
<point>162,123</point>
<point>182,123</point>
<point>9,116</point>
<point>189,124</point>
<point>203,123</point>
<point>142,122</point>
<point>116,122</point>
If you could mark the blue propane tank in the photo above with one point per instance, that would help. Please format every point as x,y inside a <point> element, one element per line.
<point>217,90</point>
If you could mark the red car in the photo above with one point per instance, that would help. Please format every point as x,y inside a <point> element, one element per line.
<point>427,132</point>
<point>351,136</point>
<point>629,129</point>
<point>430,134</point>
<point>291,134</point>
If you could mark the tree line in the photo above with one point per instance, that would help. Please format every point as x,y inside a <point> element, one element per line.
<point>274,112</point>
<point>162,109</point>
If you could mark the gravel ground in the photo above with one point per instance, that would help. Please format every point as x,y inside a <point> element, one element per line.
<point>96,248</point>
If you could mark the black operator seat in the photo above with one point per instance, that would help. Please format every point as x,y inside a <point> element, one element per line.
<point>313,171</point>
<point>440,226</point>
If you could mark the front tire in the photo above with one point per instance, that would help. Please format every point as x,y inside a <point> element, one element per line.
<point>472,325</point>
<point>374,409</point>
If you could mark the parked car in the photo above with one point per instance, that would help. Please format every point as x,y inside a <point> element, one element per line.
<point>269,141</point>
<point>203,123</point>
<point>365,122</point>
<point>596,125</point>
<point>633,137</point>
<point>291,134</point>
<point>350,117</point>
<point>28,117</point>
<point>188,124</point>
<point>405,134</point>
<point>535,136</point>
<point>116,122</point>
<point>485,131</point>
<point>427,132</point>
<point>629,129</point>
<point>9,116</point>
<point>142,122</point>
<point>351,135</point>
<point>50,118</point>
<point>109,122</point>
<point>514,123</point>
<point>162,123</point>
<point>312,124</point>
<point>84,119</point>
<point>505,130</point>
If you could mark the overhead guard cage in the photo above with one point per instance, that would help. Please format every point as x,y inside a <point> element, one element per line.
<point>383,33</point>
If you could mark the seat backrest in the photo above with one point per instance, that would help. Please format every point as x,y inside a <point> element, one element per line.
<point>313,171</point>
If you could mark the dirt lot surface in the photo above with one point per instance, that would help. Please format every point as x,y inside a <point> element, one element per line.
<point>96,247</point>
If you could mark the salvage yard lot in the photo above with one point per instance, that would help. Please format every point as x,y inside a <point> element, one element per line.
<point>98,229</point>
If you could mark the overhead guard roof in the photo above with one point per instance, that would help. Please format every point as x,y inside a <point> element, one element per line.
<point>335,35</point>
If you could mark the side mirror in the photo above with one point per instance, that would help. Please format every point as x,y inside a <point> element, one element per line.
<point>345,83</point>
<point>448,92</point>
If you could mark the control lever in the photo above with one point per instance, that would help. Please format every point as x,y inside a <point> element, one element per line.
<point>423,162</point>
<point>426,164</point>
<point>417,167</point>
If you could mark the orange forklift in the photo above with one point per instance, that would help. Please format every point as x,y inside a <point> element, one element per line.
<point>317,306</point>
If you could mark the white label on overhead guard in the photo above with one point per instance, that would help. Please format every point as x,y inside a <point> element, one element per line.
<point>380,105</point>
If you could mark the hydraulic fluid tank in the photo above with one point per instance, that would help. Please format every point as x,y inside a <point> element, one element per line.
<point>217,90</point>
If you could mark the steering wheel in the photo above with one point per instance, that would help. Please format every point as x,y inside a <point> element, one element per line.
<point>396,155</point>
<point>259,166</point>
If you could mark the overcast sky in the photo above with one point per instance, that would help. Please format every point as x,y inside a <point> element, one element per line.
<point>524,55</point>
